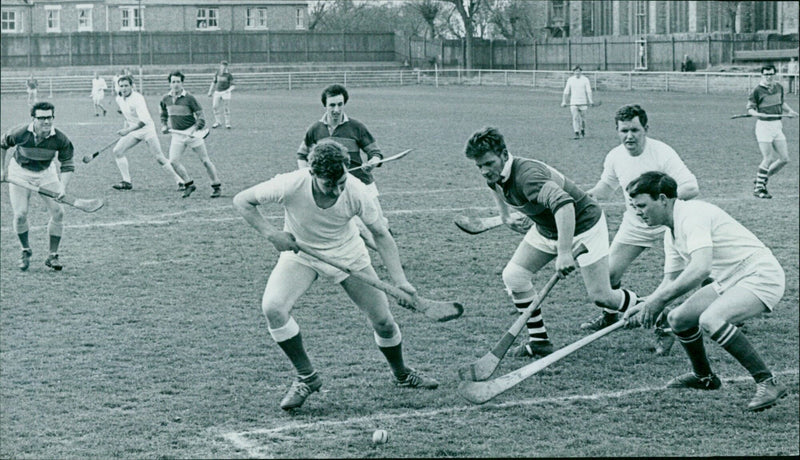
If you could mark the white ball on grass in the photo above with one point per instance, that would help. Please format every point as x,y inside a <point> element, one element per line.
<point>380,437</point>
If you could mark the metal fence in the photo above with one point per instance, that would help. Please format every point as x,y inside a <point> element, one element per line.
<point>693,82</point>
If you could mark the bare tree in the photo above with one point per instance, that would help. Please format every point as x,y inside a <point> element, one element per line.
<point>512,19</point>
<point>429,10</point>
<point>468,10</point>
<point>317,14</point>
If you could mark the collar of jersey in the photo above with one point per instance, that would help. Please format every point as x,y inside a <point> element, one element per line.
<point>324,119</point>
<point>52,131</point>
<point>506,172</point>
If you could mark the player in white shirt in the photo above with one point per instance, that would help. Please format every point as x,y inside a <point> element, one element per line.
<point>139,127</point>
<point>579,91</point>
<point>702,241</point>
<point>99,88</point>
<point>319,203</point>
<point>636,155</point>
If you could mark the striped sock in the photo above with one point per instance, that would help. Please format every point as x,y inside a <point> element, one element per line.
<point>692,342</point>
<point>536,330</point>
<point>628,298</point>
<point>735,343</point>
<point>761,178</point>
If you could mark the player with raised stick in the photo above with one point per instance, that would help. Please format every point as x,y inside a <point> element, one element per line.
<point>319,205</point>
<point>702,241</point>
<point>767,104</point>
<point>182,116</point>
<point>37,145</point>
<point>139,127</point>
<point>636,154</point>
<point>565,217</point>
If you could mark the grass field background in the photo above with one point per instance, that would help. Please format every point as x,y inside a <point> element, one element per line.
<point>151,342</point>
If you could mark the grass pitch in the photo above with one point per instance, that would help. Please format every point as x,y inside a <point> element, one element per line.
<point>151,342</point>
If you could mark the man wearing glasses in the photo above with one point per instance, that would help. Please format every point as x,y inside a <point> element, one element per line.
<point>767,105</point>
<point>37,145</point>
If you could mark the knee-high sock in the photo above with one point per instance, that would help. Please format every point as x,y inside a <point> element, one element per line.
<point>291,342</point>
<point>762,175</point>
<point>735,343</point>
<point>535,324</point>
<point>392,349</point>
<point>692,342</point>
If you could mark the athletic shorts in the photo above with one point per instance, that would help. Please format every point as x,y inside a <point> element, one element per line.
<point>182,138</point>
<point>595,239</point>
<point>353,256</point>
<point>143,134</point>
<point>48,176</point>
<point>769,130</point>
<point>226,95</point>
<point>97,98</point>
<point>761,274</point>
<point>639,234</point>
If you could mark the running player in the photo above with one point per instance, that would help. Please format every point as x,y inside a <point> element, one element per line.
<point>704,240</point>
<point>182,114</point>
<point>565,217</point>
<point>37,145</point>
<point>351,133</point>
<point>139,127</point>
<point>99,88</point>
<point>635,155</point>
<point>579,91</point>
<point>222,86</point>
<point>767,105</point>
<point>319,203</point>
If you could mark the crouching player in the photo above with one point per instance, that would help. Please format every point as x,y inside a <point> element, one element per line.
<point>702,241</point>
<point>319,203</point>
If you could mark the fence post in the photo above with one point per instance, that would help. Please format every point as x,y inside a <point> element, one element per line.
<point>110,49</point>
<point>666,81</point>
<point>605,53</point>
<point>290,81</point>
<point>191,45</point>
<point>345,78</point>
<point>535,60</point>
<point>707,82</point>
<point>630,81</point>
<point>672,39</point>
<point>569,53</point>
<point>533,82</point>
<point>307,55</point>
<point>29,48</point>
<point>51,87</point>
<point>708,51</point>
<point>269,49</point>
<point>491,53</point>
<point>69,45</point>
<point>505,76</point>
<point>230,45</point>
<point>344,51</point>
<point>515,54</point>
<point>480,79</point>
<point>150,45</point>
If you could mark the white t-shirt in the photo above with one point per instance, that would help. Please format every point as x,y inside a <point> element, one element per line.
<point>579,90</point>
<point>700,225</point>
<point>620,169</point>
<point>98,86</point>
<point>134,109</point>
<point>321,229</point>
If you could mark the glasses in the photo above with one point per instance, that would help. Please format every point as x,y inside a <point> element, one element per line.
<point>768,74</point>
<point>47,118</point>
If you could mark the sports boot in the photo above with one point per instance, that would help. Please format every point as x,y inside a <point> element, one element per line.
<point>217,191</point>
<point>767,395</point>
<point>532,349</point>
<point>690,380</point>
<point>602,321</point>
<point>123,185</point>
<point>415,379</point>
<point>52,262</point>
<point>188,189</point>
<point>300,390</point>
<point>25,259</point>
<point>664,342</point>
<point>761,192</point>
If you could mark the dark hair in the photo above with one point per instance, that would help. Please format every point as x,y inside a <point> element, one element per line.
<point>176,73</point>
<point>484,141</point>
<point>629,112</point>
<point>44,105</point>
<point>768,67</point>
<point>224,62</point>
<point>653,183</point>
<point>127,78</point>
<point>334,90</point>
<point>577,67</point>
<point>328,159</point>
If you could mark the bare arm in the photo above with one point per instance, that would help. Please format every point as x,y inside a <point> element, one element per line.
<point>565,222</point>
<point>600,191</point>
<point>390,255</point>
<point>246,204</point>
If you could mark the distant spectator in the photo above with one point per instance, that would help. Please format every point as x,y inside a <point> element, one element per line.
<point>32,87</point>
<point>792,71</point>
<point>687,65</point>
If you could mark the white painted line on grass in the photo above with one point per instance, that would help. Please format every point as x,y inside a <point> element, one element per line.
<point>239,439</point>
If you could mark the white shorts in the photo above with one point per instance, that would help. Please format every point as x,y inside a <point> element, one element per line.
<point>143,134</point>
<point>595,239</point>
<point>48,176</point>
<point>226,95</point>
<point>97,98</point>
<point>769,130</point>
<point>638,234</point>
<point>356,259</point>
<point>182,138</point>
<point>761,274</point>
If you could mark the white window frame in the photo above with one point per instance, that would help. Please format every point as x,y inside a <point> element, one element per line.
<point>16,21</point>
<point>256,18</point>
<point>52,18</point>
<point>300,19</point>
<point>131,18</point>
<point>207,17</point>
<point>89,25</point>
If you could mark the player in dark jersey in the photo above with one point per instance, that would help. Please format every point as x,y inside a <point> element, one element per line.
<point>221,87</point>
<point>37,145</point>
<point>564,217</point>
<point>767,105</point>
<point>351,133</point>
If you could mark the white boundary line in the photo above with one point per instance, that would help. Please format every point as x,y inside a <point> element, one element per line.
<point>239,441</point>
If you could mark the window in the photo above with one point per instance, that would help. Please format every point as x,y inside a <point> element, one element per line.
<point>597,18</point>
<point>765,16</point>
<point>131,18</point>
<point>256,18</point>
<point>557,13</point>
<point>640,21</point>
<point>84,18</point>
<point>53,17</point>
<point>300,19</point>
<point>207,18</point>
<point>679,17</point>
<point>11,22</point>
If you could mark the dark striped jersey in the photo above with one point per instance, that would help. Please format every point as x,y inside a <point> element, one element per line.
<point>538,191</point>
<point>352,134</point>
<point>222,81</point>
<point>181,112</point>
<point>767,100</point>
<point>36,154</point>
